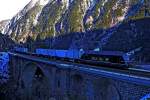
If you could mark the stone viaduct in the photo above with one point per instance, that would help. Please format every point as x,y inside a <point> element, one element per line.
<point>37,78</point>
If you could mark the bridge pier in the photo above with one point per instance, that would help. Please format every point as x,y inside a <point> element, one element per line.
<point>77,90</point>
<point>89,89</point>
<point>52,78</point>
<point>63,82</point>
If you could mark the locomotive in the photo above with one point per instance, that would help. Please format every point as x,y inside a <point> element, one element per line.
<point>115,59</point>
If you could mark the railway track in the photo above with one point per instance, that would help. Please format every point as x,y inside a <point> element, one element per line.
<point>130,71</point>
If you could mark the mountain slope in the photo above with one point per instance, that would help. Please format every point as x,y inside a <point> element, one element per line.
<point>21,25</point>
<point>50,18</point>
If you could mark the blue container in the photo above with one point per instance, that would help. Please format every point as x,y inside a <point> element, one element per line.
<point>72,54</point>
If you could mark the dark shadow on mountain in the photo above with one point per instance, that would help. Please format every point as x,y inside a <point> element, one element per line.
<point>6,43</point>
<point>130,36</point>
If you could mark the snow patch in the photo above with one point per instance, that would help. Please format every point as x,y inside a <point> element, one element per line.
<point>104,2</point>
<point>90,20</point>
<point>91,3</point>
<point>67,3</point>
<point>44,2</point>
<point>36,18</point>
<point>121,18</point>
<point>30,5</point>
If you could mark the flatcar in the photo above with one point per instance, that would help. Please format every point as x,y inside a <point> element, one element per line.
<point>20,50</point>
<point>60,54</point>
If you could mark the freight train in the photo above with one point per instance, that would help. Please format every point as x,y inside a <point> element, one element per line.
<point>115,59</point>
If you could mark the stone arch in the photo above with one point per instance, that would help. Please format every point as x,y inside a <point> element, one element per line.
<point>58,79</point>
<point>28,73</point>
<point>90,89</point>
<point>35,82</point>
<point>29,69</point>
<point>58,85</point>
<point>146,97</point>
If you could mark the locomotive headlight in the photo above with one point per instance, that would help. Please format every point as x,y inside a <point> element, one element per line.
<point>100,59</point>
<point>106,59</point>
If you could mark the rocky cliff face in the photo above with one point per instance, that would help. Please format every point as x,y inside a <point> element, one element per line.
<point>51,18</point>
<point>3,23</point>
